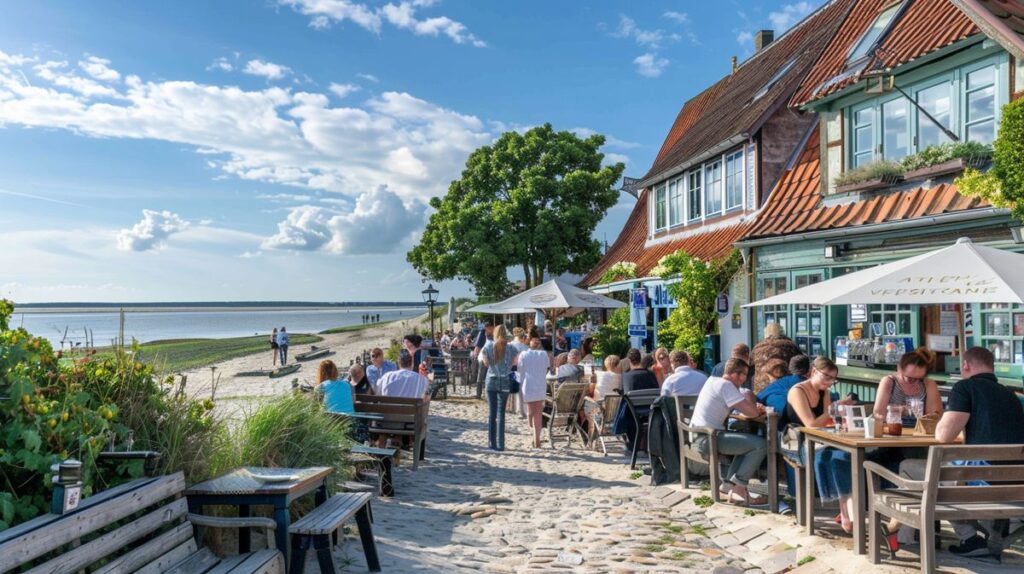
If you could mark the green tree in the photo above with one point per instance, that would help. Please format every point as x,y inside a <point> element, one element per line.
<point>1003,185</point>
<point>531,201</point>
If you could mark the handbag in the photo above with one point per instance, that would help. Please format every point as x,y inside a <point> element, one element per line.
<point>513,384</point>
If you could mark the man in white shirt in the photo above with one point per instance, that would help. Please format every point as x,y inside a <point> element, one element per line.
<point>684,380</point>
<point>719,397</point>
<point>404,382</point>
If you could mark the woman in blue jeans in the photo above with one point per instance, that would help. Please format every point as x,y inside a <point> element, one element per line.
<point>807,405</point>
<point>499,357</point>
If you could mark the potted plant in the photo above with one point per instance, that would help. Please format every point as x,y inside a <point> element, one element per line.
<point>944,159</point>
<point>875,175</point>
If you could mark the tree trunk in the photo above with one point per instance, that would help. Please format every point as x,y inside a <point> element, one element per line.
<point>527,275</point>
<point>538,274</point>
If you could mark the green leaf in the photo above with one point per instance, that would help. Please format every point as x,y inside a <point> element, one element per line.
<point>32,440</point>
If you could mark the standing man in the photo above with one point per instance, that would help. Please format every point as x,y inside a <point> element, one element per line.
<point>282,345</point>
<point>378,366</point>
<point>718,397</point>
<point>684,380</point>
<point>485,334</point>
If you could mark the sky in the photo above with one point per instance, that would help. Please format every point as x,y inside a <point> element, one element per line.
<point>287,149</point>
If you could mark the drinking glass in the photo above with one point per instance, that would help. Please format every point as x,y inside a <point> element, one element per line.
<point>894,420</point>
<point>835,410</point>
<point>916,407</point>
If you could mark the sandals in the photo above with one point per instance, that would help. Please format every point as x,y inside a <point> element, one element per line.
<point>891,540</point>
<point>748,500</point>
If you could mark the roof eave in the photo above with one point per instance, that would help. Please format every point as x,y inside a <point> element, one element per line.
<point>690,162</point>
<point>992,26</point>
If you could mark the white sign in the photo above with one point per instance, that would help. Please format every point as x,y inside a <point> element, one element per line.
<point>72,496</point>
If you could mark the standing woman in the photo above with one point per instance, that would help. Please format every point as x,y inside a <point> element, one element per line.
<point>498,356</point>
<point>273,345</point>
<point>532,369</point>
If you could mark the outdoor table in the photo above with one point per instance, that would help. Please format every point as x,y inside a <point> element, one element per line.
<point>855,444</point>
<point>241,488</point>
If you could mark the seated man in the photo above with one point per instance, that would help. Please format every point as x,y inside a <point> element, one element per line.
<point>774,395</point>
<point>719,397</point>
<point>359,381</point>
<point>987,413</point>
<point>739,351</point>
<point>404,382</point>
<point>379,366</point>
<point>637,378</point>
<point>684,380</point>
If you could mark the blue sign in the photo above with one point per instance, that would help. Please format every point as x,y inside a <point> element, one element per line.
<point>638,330</point>
<point>639,298</point>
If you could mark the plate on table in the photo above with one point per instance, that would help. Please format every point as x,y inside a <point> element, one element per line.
<point>274,477</point>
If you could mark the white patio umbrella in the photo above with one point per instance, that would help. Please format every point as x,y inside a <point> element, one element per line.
<point>961,273</point>
<point>556,297</point>
<point>492,309</point>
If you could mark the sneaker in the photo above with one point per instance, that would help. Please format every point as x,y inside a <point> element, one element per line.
<point>973,546</point>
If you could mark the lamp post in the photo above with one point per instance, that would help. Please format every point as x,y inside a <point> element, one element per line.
<point>430,297</point>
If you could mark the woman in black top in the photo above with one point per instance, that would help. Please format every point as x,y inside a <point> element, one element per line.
<point>273,345</point>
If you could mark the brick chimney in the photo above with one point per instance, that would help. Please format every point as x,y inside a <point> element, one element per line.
<point>762,39</point>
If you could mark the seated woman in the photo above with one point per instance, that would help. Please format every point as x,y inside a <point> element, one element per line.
<point>339,398</point>
<point>609,380</point>
<point>587,351</point>
<point>807,405</point>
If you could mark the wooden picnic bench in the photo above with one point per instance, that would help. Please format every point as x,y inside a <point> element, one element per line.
<point>140,526</point>
<point>949,491</point>
<point>315,529</point>
<point>402,417</point>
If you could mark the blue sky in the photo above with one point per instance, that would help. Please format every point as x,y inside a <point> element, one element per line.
<point>285,149</point>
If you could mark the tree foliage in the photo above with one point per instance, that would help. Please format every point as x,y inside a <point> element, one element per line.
<point>698,284</point>
<point>612,338</point>
<point>1003,185</point>
<point>530,200</point>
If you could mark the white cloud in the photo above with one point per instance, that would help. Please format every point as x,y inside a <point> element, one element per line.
<point>647,38</point>
<point>271,135</point>
<point>380,222</point>
<point>324,13</point>
<point>150,233</point>
<point>268,70</point>
<point>650,65</point>
<point>222,64</point>
<point>677,17</point>
<point>99,68</point>
<point>790,14</point>
<point>745,38</point>
<point>610,141</point>
<point>343,90</point>
<point>369,78</point>
<point>14,59</point>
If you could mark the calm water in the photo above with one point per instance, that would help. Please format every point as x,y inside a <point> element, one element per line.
<point>152,326</point>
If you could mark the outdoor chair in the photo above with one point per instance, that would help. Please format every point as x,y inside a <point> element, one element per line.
<point>459,367</point>
<point>687,450</point>
<point>772,430</point>
<point>609,408</point>
<point>638,403</point>
<point>563,411</point>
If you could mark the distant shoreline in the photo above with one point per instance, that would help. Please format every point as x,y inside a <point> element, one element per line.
<point>42,308</point>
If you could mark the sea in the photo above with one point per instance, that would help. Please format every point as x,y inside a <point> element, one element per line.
<point>188,321</point>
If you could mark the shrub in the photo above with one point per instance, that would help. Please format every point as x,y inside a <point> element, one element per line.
<point>612,338</point>
<point>696,286</point>
<point>294,430</point>
<point>873,170</point>
<point>936,154</point>
<point>1003,185</point>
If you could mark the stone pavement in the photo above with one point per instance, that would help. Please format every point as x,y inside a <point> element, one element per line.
<point>468,509</point>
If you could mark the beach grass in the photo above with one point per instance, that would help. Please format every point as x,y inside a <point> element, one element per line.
<point>354,328</point>
<point>176,355</point>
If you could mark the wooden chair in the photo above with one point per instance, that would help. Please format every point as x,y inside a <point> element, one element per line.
<point>945,494</point>
<point>401,417</point>
<point>638,403</point>
<point>142,525</point>
<point>563,412</point>
<point>609,408</point>
<point>774,455</point>
<point>687,450</point>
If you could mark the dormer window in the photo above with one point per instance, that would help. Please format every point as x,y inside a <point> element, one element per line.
<point>859,56</point>
<point>774,79</point>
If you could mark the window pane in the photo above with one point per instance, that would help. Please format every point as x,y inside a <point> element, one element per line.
<point>713,188</point>
<point>981,78</point>
<point>734,181</point>
<point>871,36</point>
<point>983,132</point>
<point>1001,349</point>
<point>896,136</point>
<point>659,212</point>
<point>863,136</point>
<point>997,324</point>
<point>981,104</point>
<point>673,216</point>
<point>696,198</point>
<point>936,100</point>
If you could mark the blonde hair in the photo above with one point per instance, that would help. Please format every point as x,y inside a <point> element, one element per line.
<point>661,352</point>
<point>772,330</point>
<point>611,363</point>
<point>500,342</point>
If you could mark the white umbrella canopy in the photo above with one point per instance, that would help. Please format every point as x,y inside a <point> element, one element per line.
<point>556,294</point>
<point>492,309</point>
<point>961,273</point>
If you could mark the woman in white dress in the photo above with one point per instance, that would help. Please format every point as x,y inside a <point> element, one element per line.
<point>533,369</point>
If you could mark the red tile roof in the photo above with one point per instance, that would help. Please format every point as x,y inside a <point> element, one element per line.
<point>630,246</point>
<point>924,26</point>
<point>795,204</point>
<point>1001,19</point>
<point>728,109</point>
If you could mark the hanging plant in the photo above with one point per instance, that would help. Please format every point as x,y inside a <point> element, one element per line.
<point>697,284</point>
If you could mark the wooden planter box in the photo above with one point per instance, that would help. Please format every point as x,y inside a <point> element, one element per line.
<point>870,184</point>
<point>948,167</point>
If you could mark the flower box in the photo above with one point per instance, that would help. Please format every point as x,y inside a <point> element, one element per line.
<point>869,184</point>
<point>945,168</point>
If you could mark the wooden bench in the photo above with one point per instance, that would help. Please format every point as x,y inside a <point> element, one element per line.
<point>402,417</point>
<point>945,494</point>
<point>687,450</point>
<point>141,526</point>
<point>316,528</point>
<point>383,459</point>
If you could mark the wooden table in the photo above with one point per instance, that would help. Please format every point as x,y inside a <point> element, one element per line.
<point>242,489</point>
<point>855,444</point>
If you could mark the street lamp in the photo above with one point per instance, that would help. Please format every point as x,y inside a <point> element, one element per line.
<point>430,297</point>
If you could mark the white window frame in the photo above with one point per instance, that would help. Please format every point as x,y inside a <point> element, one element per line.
<point>710,166</point>
<point>737,159</point>
<point>699,172</point>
